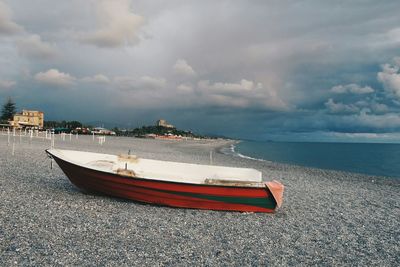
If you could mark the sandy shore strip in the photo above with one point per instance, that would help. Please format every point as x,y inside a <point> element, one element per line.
<point>327,218</point>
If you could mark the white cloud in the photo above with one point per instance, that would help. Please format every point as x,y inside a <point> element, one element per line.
<point>185,88</point>
<point>7,26</point>
<point>351,88</point>
<point>98,78</point>
<point>152,82</point>
<point>379,108</point>
<point>373,106</point>
<point>125,82</point>
<point>389,120</point>
<point>245,94</point>
<point>244,85</point>
<point>5,84</point>
<point>181,67</point>
<point>340,108</point>
<point>293,63</point>
<point>32,46</point>
<point>55,78</point>
<point>392,36</point>
<point>389,69</point>
<point>390,77</point>
<point>229,101</point>
<point>142,83</point>
<point>28,45</point>
<point>118,25</point>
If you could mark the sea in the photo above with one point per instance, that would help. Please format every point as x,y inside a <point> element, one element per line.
<point>365,158</point>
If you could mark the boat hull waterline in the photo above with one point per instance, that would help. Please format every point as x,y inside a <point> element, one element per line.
<point>265,197</point>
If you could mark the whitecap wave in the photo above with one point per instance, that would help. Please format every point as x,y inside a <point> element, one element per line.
<point>231,150</point>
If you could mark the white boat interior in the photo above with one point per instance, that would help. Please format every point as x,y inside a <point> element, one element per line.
<point>132,166</point>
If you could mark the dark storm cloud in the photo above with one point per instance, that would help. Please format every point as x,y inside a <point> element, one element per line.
<point>246,69</point>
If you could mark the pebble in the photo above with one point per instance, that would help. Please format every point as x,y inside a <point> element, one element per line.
<point>327,218</point>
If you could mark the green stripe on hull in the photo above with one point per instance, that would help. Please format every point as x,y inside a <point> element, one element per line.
<point>268,203</point>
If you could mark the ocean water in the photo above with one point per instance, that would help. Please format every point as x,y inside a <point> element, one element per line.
<point>373,159</point>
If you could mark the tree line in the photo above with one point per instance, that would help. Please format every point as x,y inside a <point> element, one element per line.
<point>158,130</point>
<point>64,124</point>
<point>9,109</point>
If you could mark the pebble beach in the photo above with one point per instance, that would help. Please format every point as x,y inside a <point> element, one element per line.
<point>328,218</point>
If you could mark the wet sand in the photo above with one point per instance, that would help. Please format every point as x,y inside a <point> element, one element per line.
<point>327,218</point>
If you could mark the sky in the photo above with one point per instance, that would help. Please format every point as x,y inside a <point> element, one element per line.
<point>279,70</point>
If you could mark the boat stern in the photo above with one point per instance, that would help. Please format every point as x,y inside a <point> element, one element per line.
<point>276,189</point>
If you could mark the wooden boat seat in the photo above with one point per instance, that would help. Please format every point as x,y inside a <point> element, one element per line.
<point>128,158</point>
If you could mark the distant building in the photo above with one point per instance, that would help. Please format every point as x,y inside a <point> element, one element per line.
<point>164,123</point>
<point>28,119</point>
<point>101,130</point>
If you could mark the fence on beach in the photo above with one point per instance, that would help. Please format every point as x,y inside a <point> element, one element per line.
<point>15,136</point>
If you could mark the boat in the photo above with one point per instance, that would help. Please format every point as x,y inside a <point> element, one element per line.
<point>168,183</point>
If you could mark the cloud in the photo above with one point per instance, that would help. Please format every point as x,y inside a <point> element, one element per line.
<point>188,88</point>
<point>98,78</point>
<point>141,83</point>
<point>6,84</point>
<point>228,101</point>
<point>7,26</point>
<point>28,45</point>
<point>373,106</point>
<point>32,46</point>
<point>244,85</point>
<point>386,121</point>
<point>245,94</point>
<point>54,77</point>
<point>125,82</point>
<point>351,88</point>
<point>118,25</point>
<point>192,64</point>
<point>340,108</point>
<point>152,82</point>
<point>148,91</point>
<point>390,77</point>
<point>379,108</point>
<point>387,39</point>
<point>181,67</point>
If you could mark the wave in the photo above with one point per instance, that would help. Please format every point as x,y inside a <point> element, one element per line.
<point>231,151</point>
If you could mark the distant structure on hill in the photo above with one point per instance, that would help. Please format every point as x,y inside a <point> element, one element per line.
<point>164,123</point>
<point>28,119</point>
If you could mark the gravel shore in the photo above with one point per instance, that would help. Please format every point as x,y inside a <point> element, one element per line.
<point>327,218</point>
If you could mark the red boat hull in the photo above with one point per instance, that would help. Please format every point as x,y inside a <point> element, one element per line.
<point>174,194</point>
